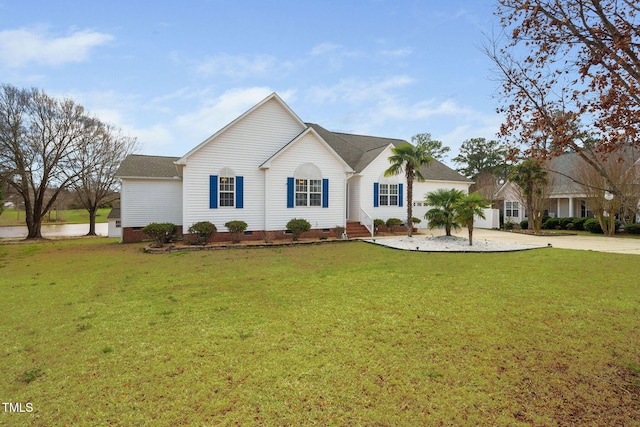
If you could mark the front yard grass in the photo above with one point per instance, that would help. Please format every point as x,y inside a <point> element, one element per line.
<point>99,333</point>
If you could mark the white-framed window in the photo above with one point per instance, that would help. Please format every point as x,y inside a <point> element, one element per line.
<point>308,192</point>
<point>227,191</point>
<point>512,209</point>
<point>118,223</point>
<point>388,195</point>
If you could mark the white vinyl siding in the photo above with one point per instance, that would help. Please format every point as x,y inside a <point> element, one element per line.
<point>307,149</point>
<point>370,175</point>
<point>151,200</point>
<point>244,146</point>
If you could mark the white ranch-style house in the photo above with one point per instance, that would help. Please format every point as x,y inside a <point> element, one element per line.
<point>268,167</point>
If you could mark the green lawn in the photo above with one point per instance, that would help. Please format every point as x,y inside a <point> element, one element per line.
<point>99,333</point>
<point>71,216</point>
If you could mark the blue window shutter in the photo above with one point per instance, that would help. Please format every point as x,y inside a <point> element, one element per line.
<point>325,193</point>
<point>290,189</point>
<point>239,192</point>
<point>375,195</point>
<point>213,191</point>
<point>400,194</point>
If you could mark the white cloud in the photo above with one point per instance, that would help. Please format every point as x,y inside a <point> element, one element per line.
<point>238,66</point>
<point>325,48</point>
<point>19,48</point>
<point>156,139</point>
<point>355,91</point>
<point>398,53</point>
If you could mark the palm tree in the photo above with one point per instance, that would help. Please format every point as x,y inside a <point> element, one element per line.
<point>409,158</point>
<point>443,208</point>
<point>467,209</point>
<point>531,177</point>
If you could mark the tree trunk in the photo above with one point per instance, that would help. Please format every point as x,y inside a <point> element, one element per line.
<point>34,225</point>
<point>92,222</point>
<point>409,203</point>
<point>470,226</point>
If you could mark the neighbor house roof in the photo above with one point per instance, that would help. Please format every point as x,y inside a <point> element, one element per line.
<point>561,169</point>
<point>140,166</point>
<point>114,213</point>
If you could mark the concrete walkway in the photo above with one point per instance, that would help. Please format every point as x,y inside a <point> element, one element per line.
<point>588,243</point>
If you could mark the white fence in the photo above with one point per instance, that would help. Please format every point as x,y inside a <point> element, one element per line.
<point>492,219</point>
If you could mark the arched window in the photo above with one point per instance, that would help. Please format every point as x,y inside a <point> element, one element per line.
<point>307,187</point>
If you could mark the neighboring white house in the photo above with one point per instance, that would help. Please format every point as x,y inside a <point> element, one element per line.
<point>114,223</point>
<point>268,167</point>
<point>566,197</point>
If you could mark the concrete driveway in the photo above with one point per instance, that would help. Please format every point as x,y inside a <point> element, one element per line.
<point>586,243</point>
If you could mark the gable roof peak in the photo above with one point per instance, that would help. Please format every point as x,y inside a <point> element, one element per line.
<point>273,96</point>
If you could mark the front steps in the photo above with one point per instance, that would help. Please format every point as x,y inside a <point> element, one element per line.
<point>356,230</point>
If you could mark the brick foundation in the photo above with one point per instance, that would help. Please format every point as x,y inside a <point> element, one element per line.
<point>134,234</point>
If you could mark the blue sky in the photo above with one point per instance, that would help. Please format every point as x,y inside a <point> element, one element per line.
<point>171,74</point>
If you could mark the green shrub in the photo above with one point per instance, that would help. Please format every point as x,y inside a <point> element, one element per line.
<point>393,222</point>
<point>551,224</point>
<point>564,222</point>
<point>415,220</point>
<point>633,229</point>
<point>578,223</point>
<point>297,226</point>
<point>235,228</point>
<point>202,231</point>
<point>509,225</point>
<point>524,224</point>
<point>161,232</point>
<point>378,222</point>
<point>592,225</point>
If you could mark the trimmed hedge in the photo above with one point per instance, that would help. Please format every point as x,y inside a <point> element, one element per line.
<point>578,223</point>
<point>162,232</point>
<point>235,228</point>
<point>592,225</point>
<point>393,222</point>
<point>297,226</point>
<point>202,231</point>
<point>633,228</point>
<point>551,224</point>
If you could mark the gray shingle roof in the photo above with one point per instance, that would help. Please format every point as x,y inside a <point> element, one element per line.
<point>360,150</point>
<point>438,171</point>
<point>561,173</point>
<point>114,213</point>
<point>140,166</point>
<point>356,150</point>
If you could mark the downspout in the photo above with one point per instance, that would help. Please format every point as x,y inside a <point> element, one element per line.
<point>266,200</point>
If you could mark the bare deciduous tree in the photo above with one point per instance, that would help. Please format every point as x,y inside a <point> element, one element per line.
<point>47,145</point>
<point>565,63</point>
<point>605,205</point>
<point>94,164</point>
